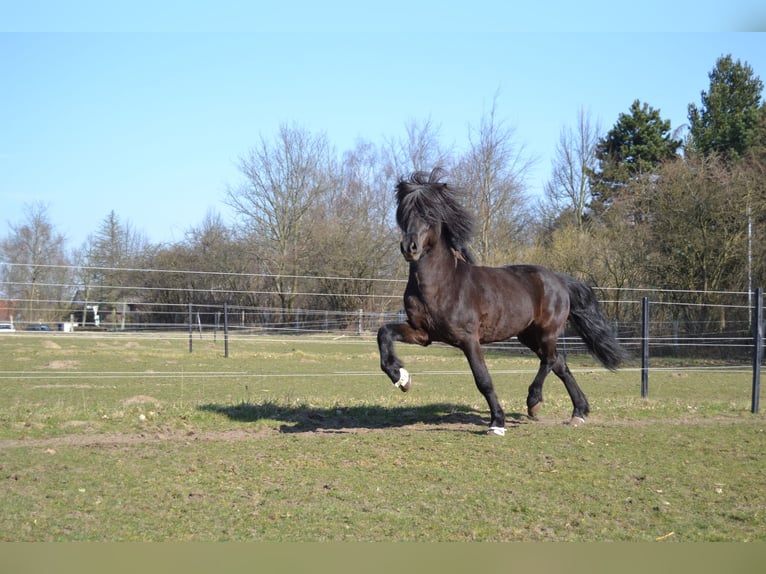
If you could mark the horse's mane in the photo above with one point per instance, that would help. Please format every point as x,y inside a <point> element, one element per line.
<point>424,195</point>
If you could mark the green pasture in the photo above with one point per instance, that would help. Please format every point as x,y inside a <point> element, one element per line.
<point>115,437</point>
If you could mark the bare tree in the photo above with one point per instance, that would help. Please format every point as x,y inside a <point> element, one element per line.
<point>354,241</point>
<point>35,275</point>
<point>493,171</point>
<point>285,178</point>
<point>208,268</point>
<point>567,194</point>
<point>419,150</point>
<point>362,183</point>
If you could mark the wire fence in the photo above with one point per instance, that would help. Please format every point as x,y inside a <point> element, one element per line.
<point>723,329</point>
<point>714,325</point>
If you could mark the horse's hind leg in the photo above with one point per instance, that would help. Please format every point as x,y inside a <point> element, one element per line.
<point>535,392</point>
<point>579,401</point>
<point>551,360</point>
<point>531,339</point>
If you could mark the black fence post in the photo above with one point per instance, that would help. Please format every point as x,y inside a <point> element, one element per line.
<point>644,347</point>
<point>757,348</point>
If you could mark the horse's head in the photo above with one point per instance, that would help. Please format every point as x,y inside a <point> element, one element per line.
<point>428,211</point>
<point>418,237</point>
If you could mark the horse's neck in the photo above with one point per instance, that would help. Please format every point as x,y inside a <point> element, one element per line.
<point>434,271</point>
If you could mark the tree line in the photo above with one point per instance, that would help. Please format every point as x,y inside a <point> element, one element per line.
<point>637,205</point>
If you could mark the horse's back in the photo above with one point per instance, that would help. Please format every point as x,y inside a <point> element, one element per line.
<point>509,299</point>
<point>537,278</point>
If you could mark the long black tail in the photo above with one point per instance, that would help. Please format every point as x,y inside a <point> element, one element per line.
<point>586,315</point>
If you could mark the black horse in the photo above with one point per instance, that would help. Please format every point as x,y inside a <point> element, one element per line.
<point>451,299</point>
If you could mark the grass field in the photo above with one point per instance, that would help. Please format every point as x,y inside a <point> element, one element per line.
<point>117,438</point>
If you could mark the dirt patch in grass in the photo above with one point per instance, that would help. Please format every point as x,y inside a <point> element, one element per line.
<point>60,365</point>
<point>140,400</point>
<point>128,439</point>
<point>160,435</point>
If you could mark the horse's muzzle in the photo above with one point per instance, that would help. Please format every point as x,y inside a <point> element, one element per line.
<point>410,250</point>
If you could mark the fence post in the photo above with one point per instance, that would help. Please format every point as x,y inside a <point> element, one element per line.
<point>191,327</point>
<point>226,330</point>
<point>757,348</point>
<point>644,347</point>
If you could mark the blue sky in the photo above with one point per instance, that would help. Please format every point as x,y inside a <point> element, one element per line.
<point>147,113</point>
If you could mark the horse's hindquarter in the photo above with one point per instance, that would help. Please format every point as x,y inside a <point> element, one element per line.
<point>548,293</point>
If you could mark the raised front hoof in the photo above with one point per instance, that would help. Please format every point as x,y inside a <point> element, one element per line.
<point>405,380</point>
<point>576,422</point>
<point>496,431</point>
<point>534,410</point>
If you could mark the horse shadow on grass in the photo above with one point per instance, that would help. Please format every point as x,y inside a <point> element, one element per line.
<point>306,418</point>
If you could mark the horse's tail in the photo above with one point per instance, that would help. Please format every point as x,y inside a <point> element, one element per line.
<point>586,315</point>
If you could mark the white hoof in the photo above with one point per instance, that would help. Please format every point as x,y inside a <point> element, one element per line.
<point>405,380</point>
<point>576,421</point>
<point>498,431</point>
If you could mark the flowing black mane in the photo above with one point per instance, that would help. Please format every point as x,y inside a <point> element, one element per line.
<point>425,196</point>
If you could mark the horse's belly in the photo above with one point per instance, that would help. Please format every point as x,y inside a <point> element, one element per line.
<point>500,332</point>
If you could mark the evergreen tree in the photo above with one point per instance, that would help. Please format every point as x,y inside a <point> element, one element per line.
<point>109,254</point>
<point>638,143</point>
<point>727,121</point>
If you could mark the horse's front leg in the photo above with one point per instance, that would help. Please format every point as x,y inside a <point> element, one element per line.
<point>390,333</point>
<point>481,376</point>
